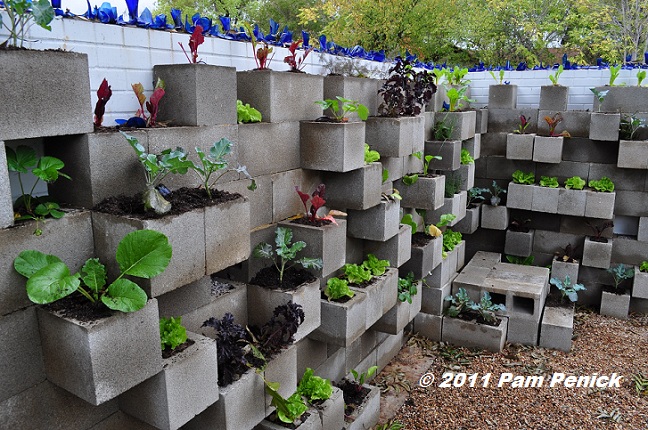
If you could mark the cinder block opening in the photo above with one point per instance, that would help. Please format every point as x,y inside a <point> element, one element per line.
<point>498,299</point>
<point>523,305</point>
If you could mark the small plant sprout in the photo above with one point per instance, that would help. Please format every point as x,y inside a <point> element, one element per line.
<point>600,96</point>
<point>552,122</point>
<point>620,273</point>
<point>172,333</point>
<point>554,77</point>
<point>413,178</point>
<point>361,378</point>
<point>22,14</point>
<point>443,131</point>
<point>641,75</point>
<point>567,290</point>
<point>141,253</point>
<point>456,97</point>
<point>524,123</point>
<point>523,261</point>
<point>495,192</point>
<point>341,108</point>
<point>316,202</point>
<point>466,158</point>
<point>630,124</point>
<point>195,40</point>
<point>103,95</point>
<point>599,229</point>
<point>567,254</point>
<point>285,252</point>
<point>152,105</point>
<point>614,74</point>
<point>295,62</point>
<point>498,78</point>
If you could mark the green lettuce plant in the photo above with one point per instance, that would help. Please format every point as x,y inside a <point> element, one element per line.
<point>141,253</point>
<point>246,113</point>
<point>371,156</point>
<point>288,410</point>
<point>356,273</point>
<point>21,15</point>
<point>172,333</point>
<point>337,288</point>
<point>567,290</point>
<point>604,185</point>
<point>614,74</point>
<point>314,387</point>
<point>519,177</point>
<point>466,158</point>
<point>549,181</point>
<point>644,266</point>
<point>575,183</point>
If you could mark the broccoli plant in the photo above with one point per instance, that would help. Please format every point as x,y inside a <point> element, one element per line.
<point>620,273</point>
<point>567,290</point>
<point>285,253</point>
<point>459,303</point>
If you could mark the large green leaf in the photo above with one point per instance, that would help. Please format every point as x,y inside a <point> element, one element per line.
<point>51,283</point>
<point>43,13</point>
<point>21,159</point>
<point>124,295</point>
<point>144,253</point>
<point>94,274</point>
<point>220,149</point>
<point>30,261</point>
<point>48,169</point>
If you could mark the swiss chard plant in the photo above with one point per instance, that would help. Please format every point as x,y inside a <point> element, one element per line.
<point>103,95</point>
<point>314,387</point>
<point>554,76</point>
<point>296,62</point>
<point>195,40</point>
<point>567,289</point>
<point>362,377</point>
<point>600,96</point>
<point>370,155</point>
<point>156,168</point>
<point>523,125</point>
<point>499,79</point>
<point>337,289</point>
<point>406,91</point>
<point>575,183</point>
<point>407,288</point>
<point>141,253</point>
<point>519,177</point>
<point>284,255</point>
<point>614,74</point>
<point>172,333</point>
<point>599,229</point>
<point>22,14</point>
<point>316,202</point>
<point>263,53</point>
<point>247,114</point>
<point>443,130</point>
<point>340,108</point>
<point>22,160</point>
<point>152,105</point>
<point>604,185</point>
<point>552,122</point>
<point>456,97</point>
<point>549,181</point>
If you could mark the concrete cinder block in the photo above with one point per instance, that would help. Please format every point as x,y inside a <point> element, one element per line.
<point>433,300</point>
<point>342,323</point>
<point>310,353</point>
<point>186,233</point>
<point>363,90</point>
<point>282,368</point>
<point>330,146</point>
<point>462,123</point>
<point>470,223</point>
<point>562,269</point>
<point>429,326</point>
<point>285,201</point>
<point>331,411</point>
<point>6,203</point>
<point>396,250</point>
<point>630,203</point>
<point>624,179</point>
<point>599,204</point>
<point>360,349</point>
<point>501,168</point>
<point>604,126</point>
<point>473,146</point>
<point>393,166</point>
<point>549,242</point>
<point>629,251</point>
<point>520,196</point>
<point>395,137</point>
<point>379,223</point>
<point>572,202</point>
<point>632,154</point>
<point>467,174</point>
<point>226,235</point>
<point>547,149</point>
<point>597,254</point>
<point>445,271</point>
<point>642,234</point>
<point>563,170</point>
<point>575,122</point>
<point>366,415</point>
<point>557,328</point>
<point>448,150</point>
<point>395,319</point>
<point>481,121</point>
<point>358,189</point>
<point>589,151</point>
<point>100,360</point>
<point>412,163</point>
<point>545,199</point>
<point>494,217</point>
<point>388,349</point>
<point>120,420</point>
<point>186,386</point>
<point>334,368</point>
<point>66,108</point>
<point>554,97</point>
<point>519,243</point>
<point>507,120</point>
<point>455,205</point>
<point>260,199</point>
<point>502,96</point>
<point>268,148</point>
<point>265,90</point>
<point>640,284</point>
<point>622,99</point>
<point>197,94</point>
<point>423,258</point>
<point>473,335</point>
<point>615,305</point>
<point>426,193</point>
<point>519,146</point>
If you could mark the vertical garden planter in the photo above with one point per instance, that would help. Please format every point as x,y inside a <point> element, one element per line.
<point>378,223</point>
<point>599,204</point>
<point>640,284</point>
<point>615,305</point>
<point>554,97</point>
<point>309,421</point>
<point>358,189</point>
<point>622,99</point>
<point>557,328</point>
<point>604,126</point>
<point>331,146</point>
<point>197,94</point>
<point>519,146</point>
<point>548,149</point>
<point>380,295</point>
<point>572,202</point>
<point>470,223</point>
<point>364,90</point>
<point>448,150</point>
<point>367,414</point>
<point>395,137</point>
<point>502,96</point>
<point>597,254</point>
<point>519,196</point>
<point>186,386</point>
<point>227,232</point>
<point>396,250</point>
<point>633,154</point>
<point>494,217</point>
<point>545,199</point>
<point>519,243</point>
<point>331,411</point>
<point>100,360</point>
<point>342,323</point>
<point>562,269</point>
<point>424,258</point>
<point>462,123</point>
<point>474,335</point>
<point>426,193</point>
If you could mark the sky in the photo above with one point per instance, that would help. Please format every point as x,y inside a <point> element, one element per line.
<point>80,6</point>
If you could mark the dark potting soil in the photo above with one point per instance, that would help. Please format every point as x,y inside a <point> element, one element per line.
<point>182,200</point>
<point>624,288</point>
<point>76,306</point>
<point>293,278</point>
<point>274,419</point>
<point>353,393</point>
<point>421,239</point>
<point>474,316</point>
<point>168,352</point>
<point>340,300</point>
<point>316,223</point>
<point>555,300</point>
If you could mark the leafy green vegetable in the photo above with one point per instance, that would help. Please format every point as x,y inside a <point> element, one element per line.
<point>486,308</point>
<point>172,333</point>
<point>519,177</point>
<point>575,183</point>
<point>620,273</point>
<point>604,185</point>
<point>524,261</point>
<point>549,182</point>
<point>357,274</point>
<point>246,113</point>
<point>409,220</point>
<point>314,387</point>
<point>371,156</point>
<point>337,288</point>
<point>341,108</point>
<point>141,253</point>
<point>466,158</point>
<point>644,266</point>
<point>567,290</point>
<point>407,288</point>
<point>446,219</point>
<point>361,378</point>
<point>288,410</point>
<point>614,74</point>
<point>451,239</point>
<point>554,77</point>
<point>374,265</point>
<point>21,15</point>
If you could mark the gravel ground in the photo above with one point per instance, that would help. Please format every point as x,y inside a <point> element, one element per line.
<point>601,345</point>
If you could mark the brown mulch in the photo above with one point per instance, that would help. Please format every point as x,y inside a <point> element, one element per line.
<point>601,345</point>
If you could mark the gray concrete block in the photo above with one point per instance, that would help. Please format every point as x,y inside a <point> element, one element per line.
<point>547,149</point>
<point>462,123</point>
<point>22,359</point>
<point>281,368</point>
<point>632,154</point>
<point>388,349</point>
<point>473,146</point>
<point>227,229</point>
<point>395,137</point>
<point>46,406</point>
<point>70,238</point>
<point>426,193</point>
<point>549,242</point>
<point>545,199</point>
<point>429,326</point>
<point>640,284</point>
<point>186,233</point>
<point>342,323</point>
<point>197,94</point>
<point>120,421</point>
<point>379,223</point>
<point>444,272</point>
<point>493,144</point>
<point>467,174</point>
<point>519,243</point>
<point>396,250</point>
<point>260,200</point>
<point>448,150</point>
<point>599,204</point>
<point>572,202</point>
<point>470,223</point>
<point>66,108</point>
<point>389,289</point>
<point>423,258</point>
<point>433,300</point>
<point>354,250</point>
<point>501,168</point>
<point>363,90</point>
<point>333,147</point>
<point>615,305</point>
<point>502,96</point>
<point>604,126</point>
<point>481,121</point>
<point>622,99</point>
<point>331,411</point>
<point>395,319</point>
<point>507,120</point>
<point>473,335</point>
<point>642,234</point>
<point>578,226</point>
<point>455,205</point>
<point>310,353</point>
<point>358,189</point>
<point>266,90</point>
<point>393,166</point>
<point>285,201</point>
<point>6,203</point>
<point>519,146</point>
<point>334,366</point>
<point>562,269</point>
<point>624,179</point>
<point>494,217</point>
<point>520,196</point>
<point>412,163</point>
<point>429,125</point>
<point>630,203</point>
<point>597,254</point>
<point>554,97</point>
<point>629,251</point>
<point>268,148</point>
<point>366,416</point>
<point>360,349</point>
<point>574,122</point>
<point>186,386</point>
<point>589,151</point>
<point>100,360</point>
<point>639,306</point>
<point>557,328</point>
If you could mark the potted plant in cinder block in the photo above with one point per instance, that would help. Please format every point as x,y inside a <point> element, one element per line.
<point>557,325</point>
<point>86,317</point>
<point>565,263</point>
<point>408,305</point>
<point>519,238</point>
<point>572,200</point>
<point>554,97</point>
<point>615,299</point>
<point>545,195</point>
<point>474,202</point>
<point>424,190</point>
<point>604,126</point>
<point>520,190</point>
<point>519,144</point>
<point>597,250</point>
<point>461,122</point>
<point>494,216</point>
<point>640,283</point>
<point>633,145</point>
<point>362,401</point>
<point>548,149</point>
<point>327,400</point>
<point>427,244</point>
<point>504,94</point>
<point>600,199</point>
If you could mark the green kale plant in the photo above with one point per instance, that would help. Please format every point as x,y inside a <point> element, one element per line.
<point>567,290</point>
<point>172,333</point>
<point>337,288</point>
<point>371,156</point>
<point>407,288</point>
<point>247,114</point>
<point>340,108</point>
<point>46,169</point>
<point>475,196</point>
<point>141,253</point>
<point>620,273</point>
<point>604,185</point>
<point>554,77</point>
<point>285,252</point>
<point>549,182</point>
<point>466,158</point>
<point>459,303</point>
<point>519,177</point>
<point>314,387</point>
<point>21,15</point>
<point>575,183</point>
<point>495,192</point>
